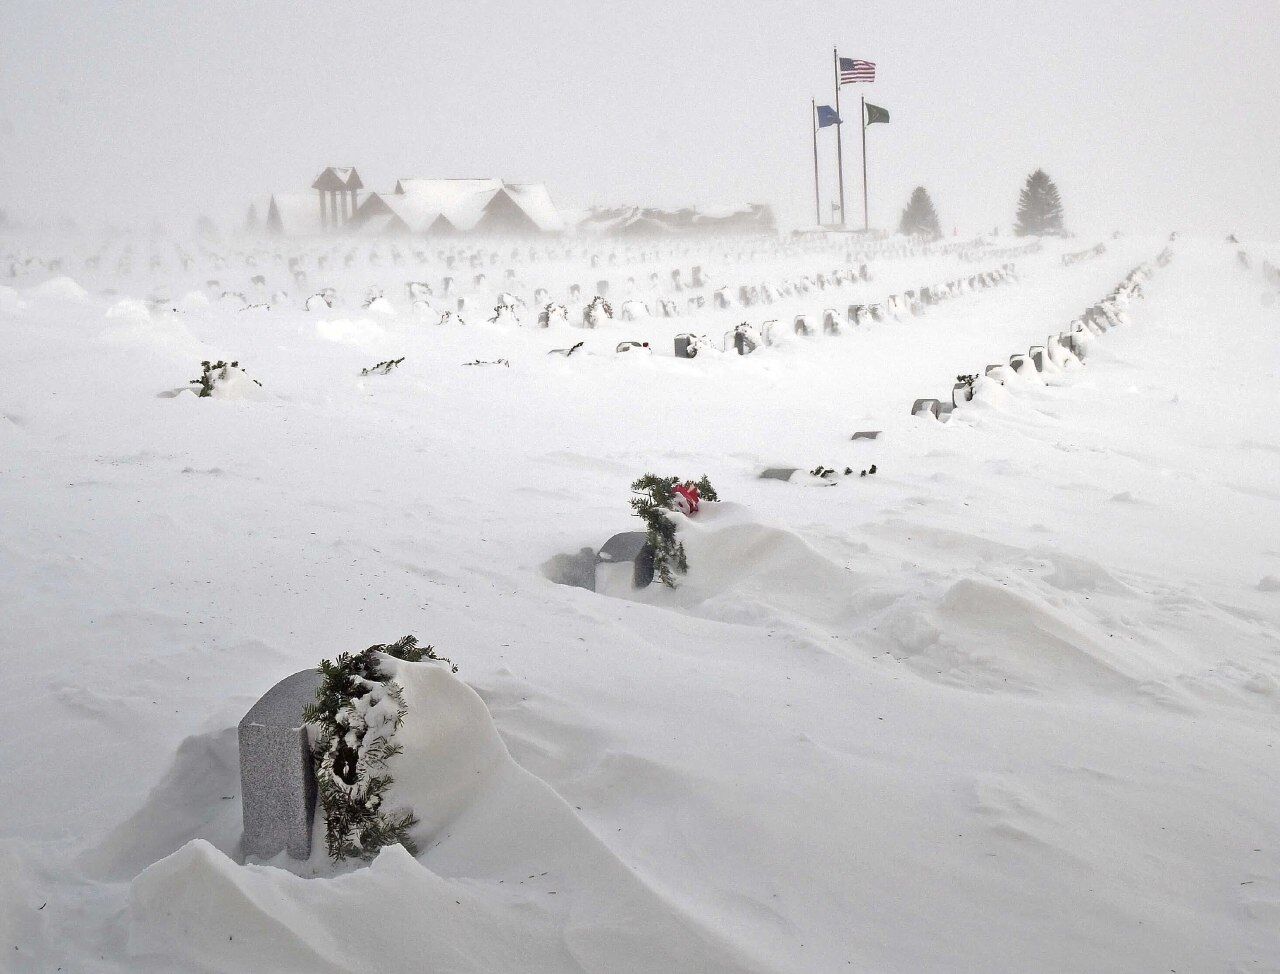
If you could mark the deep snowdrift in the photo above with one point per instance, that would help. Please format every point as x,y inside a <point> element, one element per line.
<point>1008,704</point>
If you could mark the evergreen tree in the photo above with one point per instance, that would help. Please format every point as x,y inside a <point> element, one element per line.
<point>1039,207</point>
<point>251,220</point>
<point>919,218</point>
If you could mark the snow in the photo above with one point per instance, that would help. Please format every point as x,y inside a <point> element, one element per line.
<point>298,213</point>
<point>1007,705</point>
<point>463,201</point>
<point>535,200</point>
<point>59,289</point>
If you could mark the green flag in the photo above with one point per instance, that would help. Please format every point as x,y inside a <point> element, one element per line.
<point>876,114</point>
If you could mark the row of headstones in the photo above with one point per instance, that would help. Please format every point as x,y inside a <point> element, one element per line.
<point>473,257</point>
<point>421,291</point>
<point>1079,255</point>
<point>767,293</point>
<point>327,297</point>
<point>258,282</point>
<point>1059,351</point>
<point>912,302</point>
<point>478,255</point>
<point>998,253</point>
<point>746,338</point>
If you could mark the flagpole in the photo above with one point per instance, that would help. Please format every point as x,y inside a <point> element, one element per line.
<point>865,224</point>
<point>817,198</point>
<point>835,61</point>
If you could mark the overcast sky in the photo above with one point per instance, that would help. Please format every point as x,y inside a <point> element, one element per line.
<point>1150,114</point>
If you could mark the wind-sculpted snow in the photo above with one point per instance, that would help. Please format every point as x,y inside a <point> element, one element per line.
<point>509,878</point>
<point>1006,704</point>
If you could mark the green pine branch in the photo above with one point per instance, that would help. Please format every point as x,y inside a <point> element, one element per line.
<point>652,503</point>
<point>351,756</point>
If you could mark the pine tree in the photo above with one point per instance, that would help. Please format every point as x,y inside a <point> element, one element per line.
<point>1039,207</point>
<point>919,218</point>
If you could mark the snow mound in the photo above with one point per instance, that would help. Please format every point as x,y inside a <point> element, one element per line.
<point>148,333</point>
<point>194,301</point>
<point>509,878</point>
<point>995,636</point>
<point>188,803</point>
<point>59,289</point>
<point>350,331</point>
<point>129,308</point>
<point>744,571</point>
<point>237,385</point>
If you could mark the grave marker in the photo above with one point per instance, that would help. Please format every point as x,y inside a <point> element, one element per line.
<point>277,773</point>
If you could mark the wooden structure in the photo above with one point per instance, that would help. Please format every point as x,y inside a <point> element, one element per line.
<point>339,188</point>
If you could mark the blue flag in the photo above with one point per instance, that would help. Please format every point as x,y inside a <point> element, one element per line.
<point>827,116</point>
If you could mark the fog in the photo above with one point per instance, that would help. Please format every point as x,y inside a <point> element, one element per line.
<point>1148,115</point>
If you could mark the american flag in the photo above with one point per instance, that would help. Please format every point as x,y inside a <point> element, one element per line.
<point>851,69</point>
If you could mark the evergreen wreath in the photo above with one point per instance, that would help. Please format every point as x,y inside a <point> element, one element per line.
<point>357,711</point>
<point>214,372</point>
<point>382,368</point>
<point>654,498</point>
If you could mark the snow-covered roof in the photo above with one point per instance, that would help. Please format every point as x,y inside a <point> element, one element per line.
<point>381,226</point>
<point>414,213</point>
<point>464,201</point>
<point>295,214</point>
<point>338,178</point>
<point>626,220</point>
<point>535,200</point>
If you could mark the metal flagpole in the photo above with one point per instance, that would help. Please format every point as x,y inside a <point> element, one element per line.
<point>817,198</point>
<point>835,60</point>
<point>865,224</point>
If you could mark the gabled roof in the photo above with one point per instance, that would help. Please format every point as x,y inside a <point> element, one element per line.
<point>465,201</point>
<point>462,200</point>
<point>383,225</point>
<point>338,178</point>
<point>294,214</point>
<point>534,199</point>
<point>389,211</point>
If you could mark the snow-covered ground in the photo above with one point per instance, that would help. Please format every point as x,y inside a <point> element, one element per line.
<point>1010,704</point>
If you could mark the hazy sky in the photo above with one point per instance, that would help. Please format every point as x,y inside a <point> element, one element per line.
<point>1150,115</point>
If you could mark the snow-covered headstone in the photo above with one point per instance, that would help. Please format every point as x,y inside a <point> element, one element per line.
<point>277,774</point>
<point>626,554</point>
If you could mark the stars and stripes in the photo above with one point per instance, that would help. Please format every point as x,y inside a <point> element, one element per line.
<point>853,69</point>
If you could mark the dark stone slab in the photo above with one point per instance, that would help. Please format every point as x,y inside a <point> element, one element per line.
<point>778,473</point>
<point>632,546</point>
<point>277,776</point>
